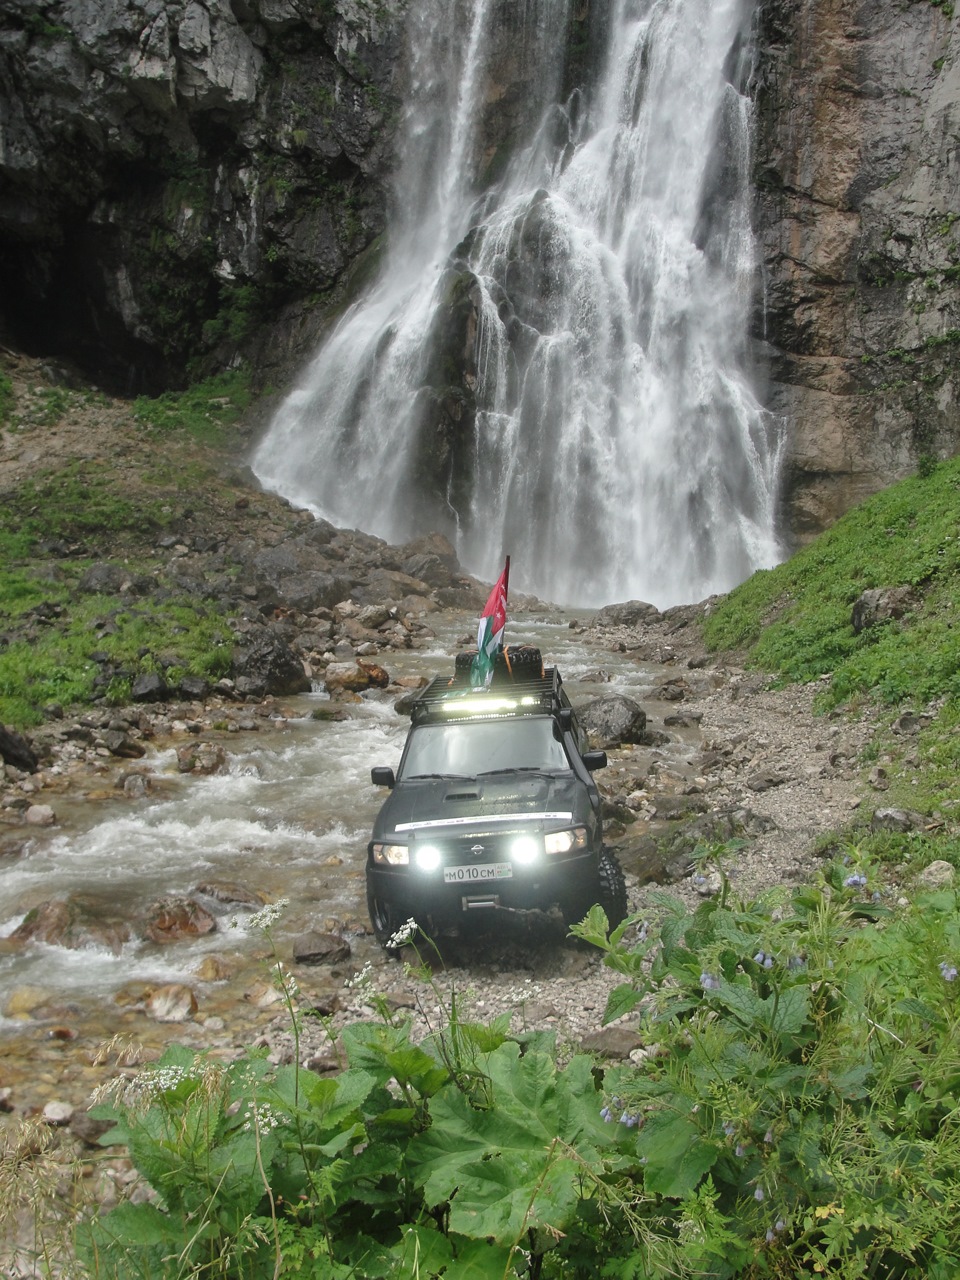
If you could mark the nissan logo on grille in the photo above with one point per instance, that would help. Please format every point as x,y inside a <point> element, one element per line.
<point>476,850</point>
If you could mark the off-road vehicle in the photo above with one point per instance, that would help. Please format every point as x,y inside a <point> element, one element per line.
<point>493,806</point>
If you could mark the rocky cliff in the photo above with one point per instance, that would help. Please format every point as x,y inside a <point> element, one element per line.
<point>183,182</point>
<point>858,181</point>
<point>175,175</point>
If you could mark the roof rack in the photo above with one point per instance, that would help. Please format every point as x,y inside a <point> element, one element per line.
<point>452,698</point>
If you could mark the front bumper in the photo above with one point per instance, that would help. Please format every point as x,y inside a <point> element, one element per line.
<point>424,895</point>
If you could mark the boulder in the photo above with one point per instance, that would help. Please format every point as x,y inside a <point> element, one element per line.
<point>268,665</point>
<point>201,758</point>
<point>172,1002</point>
<point>352,677</point>
<point>627,614</point>
<point>74,923</point>
<point>882,604</point>
<point>148,687</point>
<point>613,719</point>
<point>172,918</point>
<point>320,948</point>
<point>16,750</point>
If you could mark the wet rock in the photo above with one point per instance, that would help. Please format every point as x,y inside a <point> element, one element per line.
<point>40,815</point>
<point>268,665</point>
<point>149,687</point>
<point>173,918</point>
<point>6,1100</point>
<point>612,720</point>
<point>173,1002</point>
<point>213,969</point>
<point>937,875</point>
<point>193,687</point>
<point>16,750</point>
<point>75,923</point>
<point>320,948</point>
<point>119,744</point>
<point>627,614</point>
<point>263,994</point>
<point>352,677</point>
<point>23,1000</point>
<point>230,894</point>
<point>673,807</point>
<point>201,758</point>
<point>136,786</point>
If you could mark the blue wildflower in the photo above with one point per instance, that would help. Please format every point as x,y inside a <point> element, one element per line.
<point>629,1119</point>
<point>770,1236</point>
<point>606,1115</point>
<point>856,881</point>
<point>709,982</point>
<point>729,1128</point>
<point>796,962</point>
<point>758,1194</point>
<point>740,1150</point>
<point>948,971</point>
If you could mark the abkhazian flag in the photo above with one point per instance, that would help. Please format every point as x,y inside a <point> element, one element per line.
<point>490,631</point>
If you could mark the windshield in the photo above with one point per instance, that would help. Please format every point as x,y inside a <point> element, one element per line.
<point>484,746</point>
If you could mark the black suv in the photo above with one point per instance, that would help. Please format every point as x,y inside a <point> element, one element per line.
<point>492,807</point>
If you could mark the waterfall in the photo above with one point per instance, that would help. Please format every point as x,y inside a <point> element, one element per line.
<point>557,365</point>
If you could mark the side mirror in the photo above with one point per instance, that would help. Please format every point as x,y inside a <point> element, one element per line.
<point>383,776</point>
<point>593,760</point>
<point>566,719</point>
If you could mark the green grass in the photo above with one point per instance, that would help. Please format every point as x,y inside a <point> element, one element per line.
<point>78,502</point>
<point>205,411</point>
<point>795,620</point>
<point>7,398</point>
<point>50,662</point>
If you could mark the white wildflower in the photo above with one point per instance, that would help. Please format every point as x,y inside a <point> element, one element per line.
<point>268,915</point>
<point>404,934</point>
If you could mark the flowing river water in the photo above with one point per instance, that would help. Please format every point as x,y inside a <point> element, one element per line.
<point>288,818</point>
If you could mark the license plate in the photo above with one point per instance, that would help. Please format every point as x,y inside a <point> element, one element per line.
<point>478,872</point>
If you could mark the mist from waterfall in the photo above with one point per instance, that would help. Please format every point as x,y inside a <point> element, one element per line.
<point>618,448</point>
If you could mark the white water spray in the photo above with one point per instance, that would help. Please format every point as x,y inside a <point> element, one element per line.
<point>614,446</point>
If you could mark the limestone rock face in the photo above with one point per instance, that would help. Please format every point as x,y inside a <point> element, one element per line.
<point>857,172</point>
<point>174,172</point>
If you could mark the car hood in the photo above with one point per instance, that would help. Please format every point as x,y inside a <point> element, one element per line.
<point>556,801</point>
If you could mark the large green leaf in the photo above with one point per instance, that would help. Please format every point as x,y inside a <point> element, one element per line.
<point>676,1153</point>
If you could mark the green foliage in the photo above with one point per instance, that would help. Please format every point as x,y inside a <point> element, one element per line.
<point>7,398</point>
<point>206,411</point>
<point>51,662</point>
<point>795,620</point>
<point>73,503</point>
<point>794,1116</point>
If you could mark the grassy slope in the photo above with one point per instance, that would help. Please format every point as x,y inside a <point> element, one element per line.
<point>138,471</point>
<point>795,621</point>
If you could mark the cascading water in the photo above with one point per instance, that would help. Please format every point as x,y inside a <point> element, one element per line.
<point>599,423</point>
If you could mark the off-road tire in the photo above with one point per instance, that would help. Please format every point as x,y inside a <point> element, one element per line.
<point>385,922</point>
<point>610,893</point>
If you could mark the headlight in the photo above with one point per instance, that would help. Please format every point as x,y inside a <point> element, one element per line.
<point>427,857</point>
<point>391,855</point>
<point>564,841</point>
<point>525,849</point>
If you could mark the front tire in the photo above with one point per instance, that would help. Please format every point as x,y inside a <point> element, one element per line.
<point>610,893</point>
<point>385,922</point>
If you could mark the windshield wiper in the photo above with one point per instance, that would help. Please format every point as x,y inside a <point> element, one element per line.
<point>417,777</point>
<point>516,768</point>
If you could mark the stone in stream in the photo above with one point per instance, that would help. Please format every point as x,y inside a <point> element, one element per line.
<point>75,922</point>
<point>173,918</point>
<point>613,719</point>
<point>172,1002</point>
<point>40,815</point>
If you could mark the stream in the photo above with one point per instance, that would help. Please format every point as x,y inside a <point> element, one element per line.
<point>288,818</point>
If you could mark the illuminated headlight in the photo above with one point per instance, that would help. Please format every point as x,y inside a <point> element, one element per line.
<point>427,858</point>
<point>525,849</point>
<point>564,841</point>
<point>391,855</point>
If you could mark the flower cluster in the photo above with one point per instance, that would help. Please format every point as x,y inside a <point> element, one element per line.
<point>404,934</point>
<point>630,1119</point>
<point>773,1232</point>
<point>764,958</point>
<point>362,983</point>
<point>855,881</point>
<point>261,1117</point>
<point>948,971</point>
<point>709,982</point>
<point>268,915</point>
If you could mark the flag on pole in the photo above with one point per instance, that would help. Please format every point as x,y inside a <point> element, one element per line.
<point>490,631</point>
